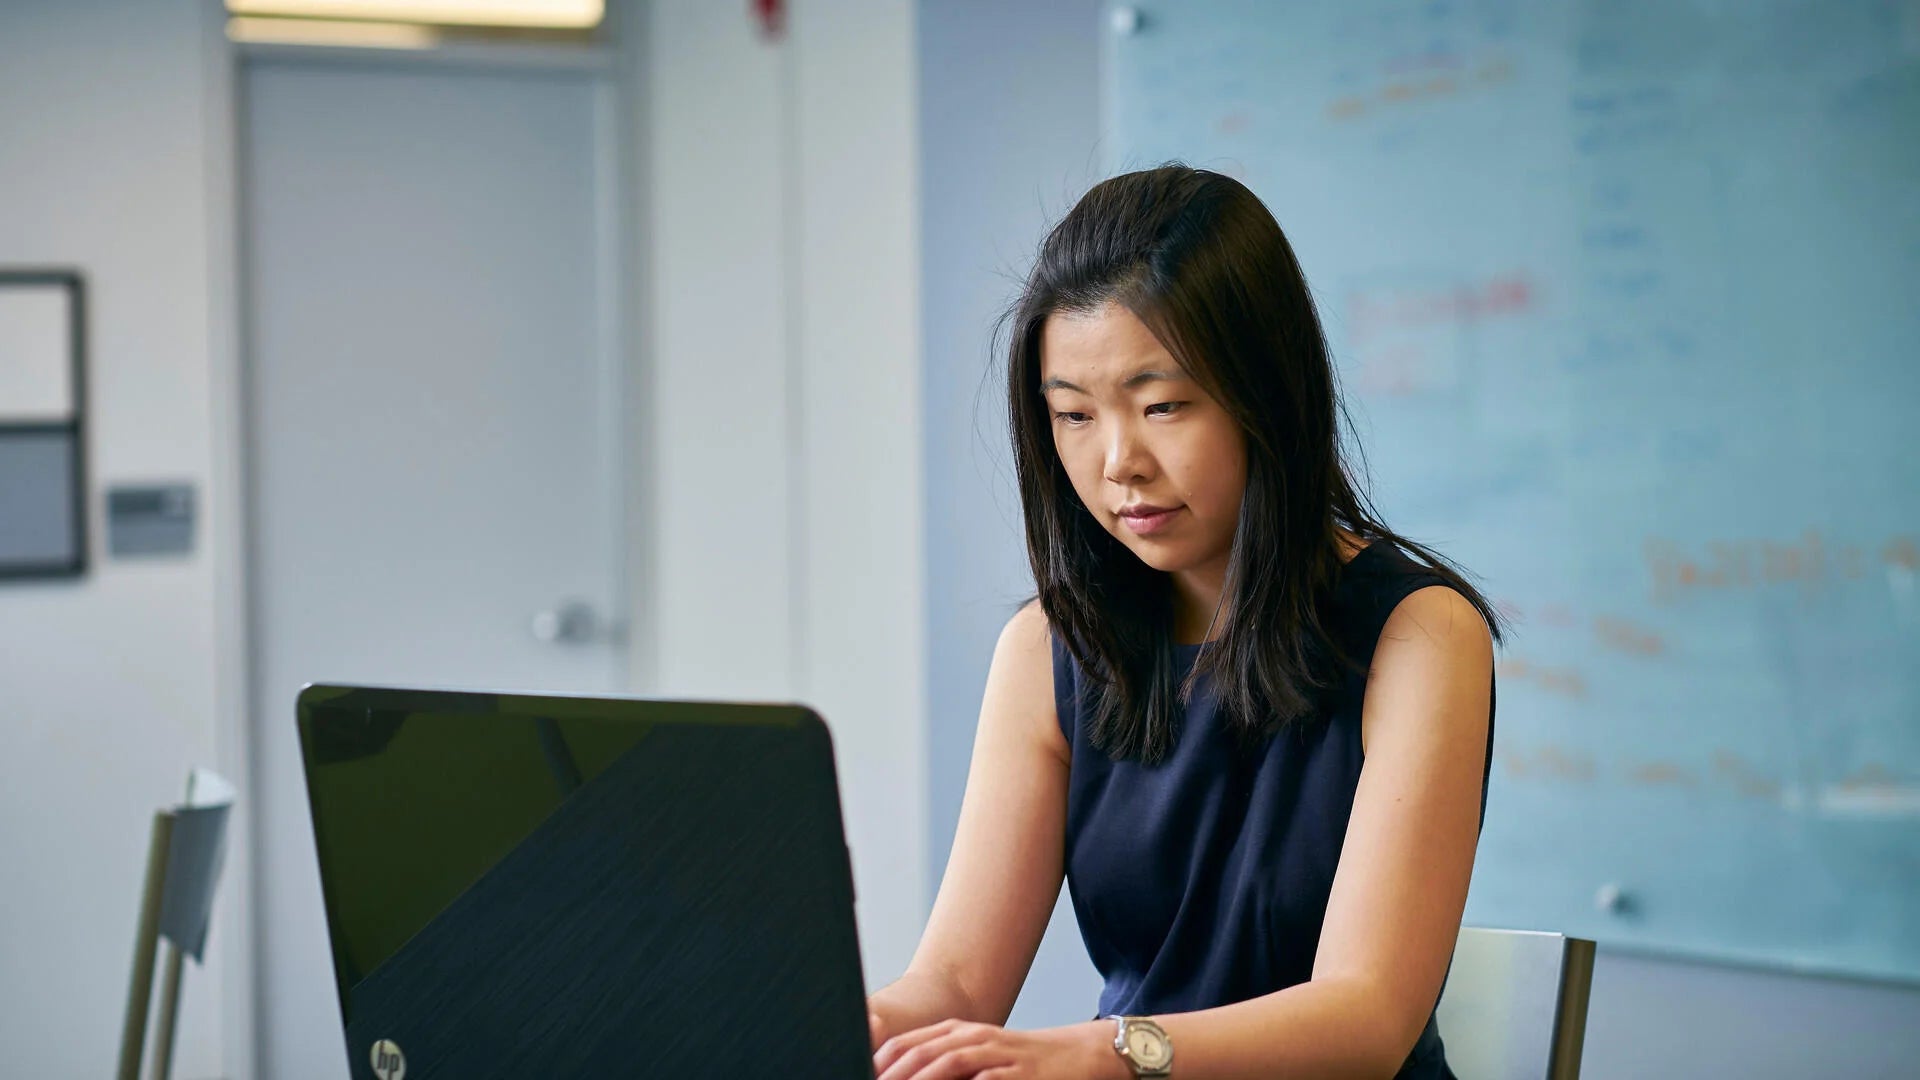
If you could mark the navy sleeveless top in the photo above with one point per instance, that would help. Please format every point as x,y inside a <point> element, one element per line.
<point>1203,880</point>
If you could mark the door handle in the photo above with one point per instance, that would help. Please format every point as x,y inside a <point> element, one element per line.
<point>573,622</point>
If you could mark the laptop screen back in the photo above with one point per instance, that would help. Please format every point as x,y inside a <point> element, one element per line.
<point>558,887</point>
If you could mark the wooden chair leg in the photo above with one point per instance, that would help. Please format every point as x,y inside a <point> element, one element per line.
<point>169,1012</point>
<point>133,1032</point>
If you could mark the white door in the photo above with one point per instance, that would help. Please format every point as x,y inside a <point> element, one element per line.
<point>432,426</point>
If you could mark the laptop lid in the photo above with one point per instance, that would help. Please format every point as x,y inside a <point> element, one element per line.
<point>523,885</point>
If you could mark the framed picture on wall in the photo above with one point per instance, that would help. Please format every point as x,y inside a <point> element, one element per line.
<point>43,520</point>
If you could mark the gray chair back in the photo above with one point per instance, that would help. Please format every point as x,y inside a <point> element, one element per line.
<point>1515,1005</point>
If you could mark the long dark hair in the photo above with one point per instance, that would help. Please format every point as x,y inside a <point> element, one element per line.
<point>1198,259</point>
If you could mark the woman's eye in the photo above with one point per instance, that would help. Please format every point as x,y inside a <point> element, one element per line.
<point>1074,418</point>
<point>1164,408</point>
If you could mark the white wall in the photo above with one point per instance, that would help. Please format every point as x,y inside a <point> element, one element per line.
<point>719,437</point>
<point>782,249</point>
<point>1010,115</point>
<point>857,336</point>
<point>109,685</point>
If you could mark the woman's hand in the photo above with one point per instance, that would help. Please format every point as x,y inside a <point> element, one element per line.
<point>956,1050</point>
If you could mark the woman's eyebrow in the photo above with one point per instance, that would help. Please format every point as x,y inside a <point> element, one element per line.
<point>1141,378</point>
<point>1138,378</point>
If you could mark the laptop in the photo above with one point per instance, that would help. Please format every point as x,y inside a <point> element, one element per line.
<point>537,886</point>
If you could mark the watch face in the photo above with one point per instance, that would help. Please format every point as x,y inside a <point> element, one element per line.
<point>1148,1047</point>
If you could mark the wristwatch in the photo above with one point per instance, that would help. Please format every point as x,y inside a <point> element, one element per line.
<point>1144,1045</point>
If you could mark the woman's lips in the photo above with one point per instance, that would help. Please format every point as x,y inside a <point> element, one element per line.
<point>1147,520</point>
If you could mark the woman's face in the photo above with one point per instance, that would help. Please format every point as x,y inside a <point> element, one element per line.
<point>1149,452</point>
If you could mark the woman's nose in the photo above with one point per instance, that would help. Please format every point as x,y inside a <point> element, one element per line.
<point>1127,460</point>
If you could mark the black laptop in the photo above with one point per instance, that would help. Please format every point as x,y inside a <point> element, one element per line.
<point>530,886</point>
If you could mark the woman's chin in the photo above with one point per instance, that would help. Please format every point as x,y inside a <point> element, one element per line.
<point>1167,558</point>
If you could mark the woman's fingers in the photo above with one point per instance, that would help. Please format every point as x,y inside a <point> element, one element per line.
<point>962,1063</point>
<point>906,1042</point>
<point>957,1049</point>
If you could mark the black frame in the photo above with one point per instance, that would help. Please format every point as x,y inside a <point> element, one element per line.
<point>76,427</point>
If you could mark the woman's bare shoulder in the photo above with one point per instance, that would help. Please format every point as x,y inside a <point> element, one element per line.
<point>1028,630</point>
<point>1020,683</point>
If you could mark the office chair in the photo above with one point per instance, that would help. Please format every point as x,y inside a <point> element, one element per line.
<point>1515,1004</point>
<point>188,844</point>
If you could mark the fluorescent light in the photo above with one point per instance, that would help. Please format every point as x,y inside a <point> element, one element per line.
<point>549,14</point>
<point>254,29</point>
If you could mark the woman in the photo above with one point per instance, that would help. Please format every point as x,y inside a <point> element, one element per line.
<point>1249,723</point>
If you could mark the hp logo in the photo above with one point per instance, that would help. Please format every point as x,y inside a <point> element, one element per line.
<point>388,1062</point>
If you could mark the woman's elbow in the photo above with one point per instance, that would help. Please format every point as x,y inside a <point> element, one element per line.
<point>1388,1034</point>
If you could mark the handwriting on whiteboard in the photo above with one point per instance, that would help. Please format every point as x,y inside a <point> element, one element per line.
<point>1717,565</point>
<point>1398,329</point>
<point>1612,632</point>
<point>1565,682</point>
<point>1441,77</point>
<point>1871,790</point>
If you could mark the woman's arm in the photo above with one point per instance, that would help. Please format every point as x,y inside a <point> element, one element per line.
<point>1392,917</point>
<point>1004,873</point>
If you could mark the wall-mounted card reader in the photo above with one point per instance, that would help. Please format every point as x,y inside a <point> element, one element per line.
<point>154,519</point>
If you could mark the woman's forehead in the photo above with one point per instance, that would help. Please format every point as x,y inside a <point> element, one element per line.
<point>1108,346</point>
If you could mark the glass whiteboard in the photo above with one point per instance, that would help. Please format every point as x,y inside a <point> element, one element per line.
<point>1626,301</point>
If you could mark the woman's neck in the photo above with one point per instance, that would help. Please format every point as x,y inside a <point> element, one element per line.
<point>1197,594</point>
<point>1196,597</point>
